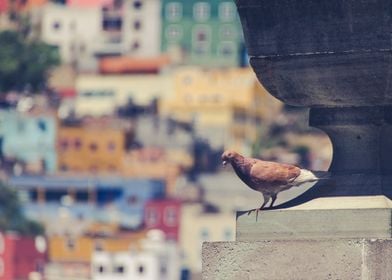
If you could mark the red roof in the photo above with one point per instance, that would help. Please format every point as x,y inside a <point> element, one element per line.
<point>123,64</point>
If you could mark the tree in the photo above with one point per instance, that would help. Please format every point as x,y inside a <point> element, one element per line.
<point>24,64</point>
<point>11,215</point>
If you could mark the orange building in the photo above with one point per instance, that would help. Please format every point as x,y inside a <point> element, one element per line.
<point>156,163</point>
<point>91,148</point>
<point>80,249</point>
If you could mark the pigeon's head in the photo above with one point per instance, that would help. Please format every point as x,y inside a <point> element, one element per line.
<point>228,156</point>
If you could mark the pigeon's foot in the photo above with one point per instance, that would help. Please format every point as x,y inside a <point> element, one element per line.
<point>255,210</point>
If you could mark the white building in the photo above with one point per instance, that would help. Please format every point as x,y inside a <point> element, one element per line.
<point>197,227</point>
<point>141,29</point>
<point>158,260</point>
<point>73,30</point>
<point>100,95</point>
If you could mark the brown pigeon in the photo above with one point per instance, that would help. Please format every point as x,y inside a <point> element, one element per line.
<point>269,178</point>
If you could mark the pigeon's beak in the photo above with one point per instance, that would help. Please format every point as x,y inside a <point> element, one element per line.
<point>224,162</point>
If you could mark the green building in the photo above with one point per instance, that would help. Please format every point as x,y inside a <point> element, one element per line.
<point>207,32</point>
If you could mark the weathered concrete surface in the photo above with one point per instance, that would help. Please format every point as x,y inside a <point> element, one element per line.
<point>298,259</point>
<point>338,217</point>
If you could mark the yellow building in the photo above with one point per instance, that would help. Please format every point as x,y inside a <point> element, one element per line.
<point>197,227</point>
<point>100,95</point>
<point>91,148</point>
<point>80,249</point>
<point>227,105</point>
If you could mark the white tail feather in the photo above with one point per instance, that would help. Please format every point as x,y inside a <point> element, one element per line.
<point>307,176</point>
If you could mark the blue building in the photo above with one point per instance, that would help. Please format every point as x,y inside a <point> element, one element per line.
<point>104,199</point>
<point>30,138</point>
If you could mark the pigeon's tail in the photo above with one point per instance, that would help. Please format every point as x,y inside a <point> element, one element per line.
<point>307,176</point>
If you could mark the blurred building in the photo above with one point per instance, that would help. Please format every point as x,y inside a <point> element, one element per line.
<point>207,32</point>
<point>198,226</point>
<point>163,215</point>
<point>22,257</point>
<point>155,163</point>
<point>141,28</point>
<point>226,107</point>
<point>70,256</point>
<point>100,95</point>
<point>94,149</point>
<point>106,199</point>
<point>31,138</point>
<point>73,30</point>
<point>157,259</point>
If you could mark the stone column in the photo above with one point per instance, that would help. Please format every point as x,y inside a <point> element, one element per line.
<point>335,58</point>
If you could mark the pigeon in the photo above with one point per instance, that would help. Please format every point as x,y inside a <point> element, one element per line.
<point>270,178</point>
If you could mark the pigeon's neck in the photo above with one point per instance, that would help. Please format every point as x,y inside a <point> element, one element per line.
<point>241,167</point>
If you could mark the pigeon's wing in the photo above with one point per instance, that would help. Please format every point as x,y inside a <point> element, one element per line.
<point>272,173</point>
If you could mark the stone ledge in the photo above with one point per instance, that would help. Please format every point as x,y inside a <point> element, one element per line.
<point>338,217</point>
<point>298,259</point>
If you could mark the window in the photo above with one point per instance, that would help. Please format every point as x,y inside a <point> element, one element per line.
<point>135,46</point>
<point>226,49</point>
<point>119,269</point>
<point>228,234</point>
<point>227,32</point>
<point>174,32</point>
<point>100,269</point>
<point>226,11</point>
<point>151,217</point>
<point>41,125</point>
<point>137,24</point>
<point>201,39</point>
<point>204,234</point>
<point>137,4</point>
<point>132,199</point>
<point>63,144</point>
<point>111,146</point>
<point>201,11</point>
<point>141,269</point>
<point>98,246</point>
<point>71,244</point>
<point>78,143</point>
<point>170,216</point>
<point>173,11</point>
<point>93,147</point>
<point>56,25</point>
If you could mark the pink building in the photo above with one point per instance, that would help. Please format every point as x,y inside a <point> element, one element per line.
<point>21,256</point>
<point>89,3</point>
<point>163,215</point>
<point>4,5</point>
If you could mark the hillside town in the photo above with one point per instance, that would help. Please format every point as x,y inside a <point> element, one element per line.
<point>114,158</point>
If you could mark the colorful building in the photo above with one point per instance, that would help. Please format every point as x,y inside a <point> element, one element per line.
<point>226,106</point>
<point>141,28</point>
<point>31,138</point>
<point>4,6</point>
<point>22,257</point>
<point>94,149</point>
<point>198,226</point>
<point>73,30</point>
<point>207,32</point>
<point>100,95</point>
<point>105,199</point>
<point>80,249</point>
<point>157,259</point>
<point>163,215</point>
